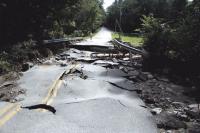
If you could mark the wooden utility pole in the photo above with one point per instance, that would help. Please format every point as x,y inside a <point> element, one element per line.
<point>120,18</point>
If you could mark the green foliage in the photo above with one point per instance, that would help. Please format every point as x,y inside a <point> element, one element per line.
<point>133,10</point>
<point>90,17</point>
<point>188,38</point>
<point>45,19</point>
<point>159,41</point>
<point>158,36</point>
<point>175,47</point>
<point>170,27</point>
<point>5,66</point>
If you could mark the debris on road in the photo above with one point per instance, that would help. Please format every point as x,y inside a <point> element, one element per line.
<point>41,106</point>
<point>159,93</point>
<point>9,89</point>
<point>27,66</point>
<point>156,111</point>
<point>172,110</point>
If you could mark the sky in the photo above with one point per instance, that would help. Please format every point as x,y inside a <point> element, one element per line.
<point>107,3</point>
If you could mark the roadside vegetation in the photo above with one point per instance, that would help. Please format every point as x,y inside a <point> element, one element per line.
<point>38,20</point>
<point>171,30</point>
<point>134,40</point>
<point>25,24</point>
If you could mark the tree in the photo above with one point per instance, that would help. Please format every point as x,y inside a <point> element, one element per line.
<point>91,16</point>
<point>45,19</point>
<point>178,8</point>
<point>132,11</point>
<point>176,47</point>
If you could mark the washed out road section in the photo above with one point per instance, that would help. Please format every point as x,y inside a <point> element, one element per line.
<point>91,98</point>
<point>37,82</point>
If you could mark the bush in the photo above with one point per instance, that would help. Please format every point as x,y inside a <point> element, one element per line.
<point>175,48</point>
<point>188,40</point>
<point>46,52</point>
<point>78,33</point>
<point>5,65</point>
<point>158,42</point>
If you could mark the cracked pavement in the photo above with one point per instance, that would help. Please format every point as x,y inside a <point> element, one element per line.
<point>93,99</point>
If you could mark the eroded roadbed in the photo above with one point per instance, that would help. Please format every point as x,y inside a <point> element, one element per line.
<point>91,98</point>
<point>80,92</point>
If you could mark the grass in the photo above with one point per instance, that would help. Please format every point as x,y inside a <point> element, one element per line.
<point>136,41</point>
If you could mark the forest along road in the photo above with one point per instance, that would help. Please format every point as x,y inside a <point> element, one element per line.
<point>85,96</point>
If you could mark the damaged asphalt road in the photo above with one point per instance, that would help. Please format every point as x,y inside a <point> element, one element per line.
<point>75,93</point>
